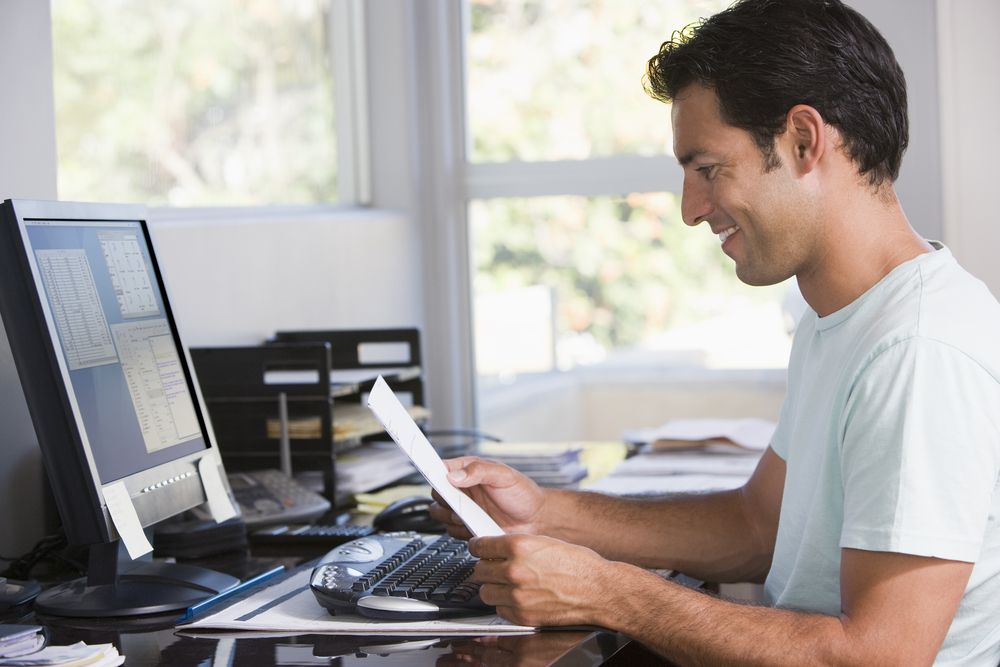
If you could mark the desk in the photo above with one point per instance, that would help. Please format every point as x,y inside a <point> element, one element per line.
<point>151,641</point>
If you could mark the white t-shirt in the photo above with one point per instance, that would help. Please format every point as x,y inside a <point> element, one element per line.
<point>891,434</point>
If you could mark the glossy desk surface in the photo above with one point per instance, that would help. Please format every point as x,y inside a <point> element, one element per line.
<point>150,641</point>
<point>150,647</point>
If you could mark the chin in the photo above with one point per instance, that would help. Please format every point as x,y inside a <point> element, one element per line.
<point>757,278</point>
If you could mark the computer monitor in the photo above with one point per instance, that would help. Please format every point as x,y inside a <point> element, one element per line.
<point>112,395</point>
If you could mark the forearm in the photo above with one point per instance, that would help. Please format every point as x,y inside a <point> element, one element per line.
<point>708,536</point>
<point>692,628</point>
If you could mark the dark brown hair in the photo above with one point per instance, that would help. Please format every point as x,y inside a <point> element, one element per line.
<point>762,57</point>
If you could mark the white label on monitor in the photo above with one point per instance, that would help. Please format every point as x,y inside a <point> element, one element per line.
<point>398,424</point>
<point>156,383</point>
<point>76,308</point>
<point>219,503</point>
<point>126,521</point>
<point>129,274</point>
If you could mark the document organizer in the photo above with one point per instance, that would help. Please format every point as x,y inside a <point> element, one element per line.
<point>323,376</point>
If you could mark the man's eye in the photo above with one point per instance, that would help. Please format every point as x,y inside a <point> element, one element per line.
<point>708,171</point>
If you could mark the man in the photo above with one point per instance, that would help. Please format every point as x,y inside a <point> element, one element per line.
<point>873,515</point>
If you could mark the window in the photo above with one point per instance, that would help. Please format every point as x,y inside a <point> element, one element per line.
<point>580,255</point>
<point>189,103</point>
<point>618,272</point>
<point>561,79</point>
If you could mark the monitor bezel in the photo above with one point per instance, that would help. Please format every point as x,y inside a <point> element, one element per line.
<point>158,492</point>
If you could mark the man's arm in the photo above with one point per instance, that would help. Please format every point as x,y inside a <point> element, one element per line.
<point>722,537</point>
<point>897,608</point>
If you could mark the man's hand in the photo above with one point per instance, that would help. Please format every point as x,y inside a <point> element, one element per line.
<point>541,581</point>
<point>897,608</point>
<point>509,497</point>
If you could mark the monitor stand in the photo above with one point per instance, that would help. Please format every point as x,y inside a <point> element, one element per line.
<point>117,586</point>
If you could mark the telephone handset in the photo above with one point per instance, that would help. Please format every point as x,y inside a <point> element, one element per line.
<point>270,496</point>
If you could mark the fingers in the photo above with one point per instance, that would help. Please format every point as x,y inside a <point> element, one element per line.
<point>536,581</point>
<point>440,511</point>
<point>474,471</point>
<point>491,548</point>
<point>459,462</point>
<point>454,527</point>
<point>514,501</point>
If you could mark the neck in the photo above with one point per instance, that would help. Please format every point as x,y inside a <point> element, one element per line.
<point>863,241</point>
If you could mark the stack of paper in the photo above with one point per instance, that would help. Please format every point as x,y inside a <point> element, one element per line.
<point>77,655</point>
<point>751,433</point>
<point>687,455</point>
<point>548,464</point>
<point>350,420</point>
<point>371,466</point>
<point>16,640</point>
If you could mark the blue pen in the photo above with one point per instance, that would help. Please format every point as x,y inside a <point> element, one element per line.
<point>225,595</point>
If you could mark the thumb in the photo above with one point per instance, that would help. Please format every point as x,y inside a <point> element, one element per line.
<point>479,471</point>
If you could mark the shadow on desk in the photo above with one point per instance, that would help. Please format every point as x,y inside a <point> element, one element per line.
<point>634,654</point>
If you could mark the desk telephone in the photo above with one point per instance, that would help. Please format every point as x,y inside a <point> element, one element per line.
<point>269,496</point>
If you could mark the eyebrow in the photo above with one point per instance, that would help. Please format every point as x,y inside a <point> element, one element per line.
<point>688,157</point>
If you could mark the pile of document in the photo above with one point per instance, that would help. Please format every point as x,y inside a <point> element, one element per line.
<point>553,465</point>
<point>687,455</point>
<point>18,640</point>
<point>712,434</point>
<point>350,421</point>
<point>371,466</point>
<point>25,646</point>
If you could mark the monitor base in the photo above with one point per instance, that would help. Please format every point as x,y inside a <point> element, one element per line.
<point>150,588</point>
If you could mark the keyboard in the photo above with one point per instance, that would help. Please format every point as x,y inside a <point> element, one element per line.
<point>399,576</point>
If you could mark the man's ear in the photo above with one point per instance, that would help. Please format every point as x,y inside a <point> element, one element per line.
<point>805,138</point>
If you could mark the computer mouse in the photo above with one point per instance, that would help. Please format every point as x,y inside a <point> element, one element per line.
<point>411,513</point>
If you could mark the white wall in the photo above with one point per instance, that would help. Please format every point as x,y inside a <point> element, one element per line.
<point>237,280</point>
<point>970,100</point>
<point>910,27</point>
<point>27,171</point>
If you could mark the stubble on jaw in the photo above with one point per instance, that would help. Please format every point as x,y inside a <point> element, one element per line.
<point>782,238</point>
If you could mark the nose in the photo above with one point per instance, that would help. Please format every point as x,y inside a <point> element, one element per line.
<point>696,204</point>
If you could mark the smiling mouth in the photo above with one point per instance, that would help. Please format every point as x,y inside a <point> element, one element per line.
<point>726,233</point>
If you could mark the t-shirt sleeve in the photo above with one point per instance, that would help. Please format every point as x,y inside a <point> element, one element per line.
<point>921,453</point>
<point>779,441</point>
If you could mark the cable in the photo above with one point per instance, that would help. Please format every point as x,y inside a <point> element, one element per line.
<point>48,549</point>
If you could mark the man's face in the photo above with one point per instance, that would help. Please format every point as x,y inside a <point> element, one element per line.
<point>761,218</point>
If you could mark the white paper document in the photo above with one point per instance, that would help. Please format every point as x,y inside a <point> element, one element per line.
<point>126,521</point>
<point>675,463</point>
<point>218,499</point>
<point>653,485</point>
<point>401,427</point>
<point>289,607</point>
<point>76,655</point>
<point>750,433</point>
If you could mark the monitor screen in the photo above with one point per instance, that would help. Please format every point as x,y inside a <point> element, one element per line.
<point>118,351</point>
